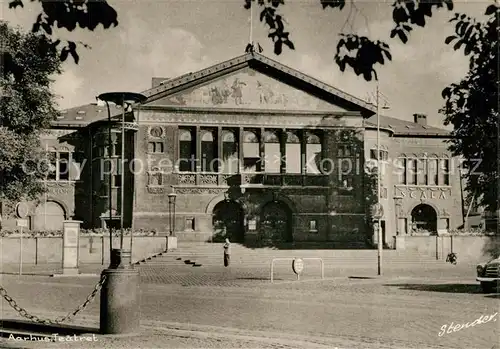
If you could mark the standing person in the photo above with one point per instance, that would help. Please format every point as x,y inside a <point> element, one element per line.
<point>227,253</point>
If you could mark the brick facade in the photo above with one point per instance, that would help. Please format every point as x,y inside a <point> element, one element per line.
<point>211,114</point>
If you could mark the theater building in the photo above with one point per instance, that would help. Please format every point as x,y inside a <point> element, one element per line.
<point>253,150</point>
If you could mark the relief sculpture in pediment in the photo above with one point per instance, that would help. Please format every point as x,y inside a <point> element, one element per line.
<point>248,89</point>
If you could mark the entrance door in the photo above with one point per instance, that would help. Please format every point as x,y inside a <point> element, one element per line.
<point>227,221</point>
<point>424,217</point>
<point>275,224</point>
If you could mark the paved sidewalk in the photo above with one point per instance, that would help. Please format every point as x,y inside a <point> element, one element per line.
<point>401,309</point>
<point>238,275</point>
<point>158,334</point>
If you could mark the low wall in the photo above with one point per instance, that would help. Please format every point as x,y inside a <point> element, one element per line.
<point>92,249</point>
<point>468,248</point>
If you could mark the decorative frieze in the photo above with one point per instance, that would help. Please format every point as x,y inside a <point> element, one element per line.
<point>315,181</point>
<point>60,188</point>
<point>292,180</point>
<point>333,120</point>
<point>208,179</point>
<point>156,189</point>
<point>225,178</point>
<point>199,191</point>
<point>186,179</point>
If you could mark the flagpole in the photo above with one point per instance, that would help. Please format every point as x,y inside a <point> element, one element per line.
<point>250,41</point>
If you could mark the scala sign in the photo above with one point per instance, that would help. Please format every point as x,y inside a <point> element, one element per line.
<point>297,266</point>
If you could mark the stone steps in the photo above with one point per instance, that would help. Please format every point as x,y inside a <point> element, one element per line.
<point>244,257</point>
<point>211,254</point>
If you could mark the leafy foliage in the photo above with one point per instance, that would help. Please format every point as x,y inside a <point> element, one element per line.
<point>361,54</point>
<point>27,107</point>
<point>471,105</point>
<point>70,14</point>
<point>358,52</point>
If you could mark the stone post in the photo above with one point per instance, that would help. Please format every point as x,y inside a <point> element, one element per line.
<point>71,242</point>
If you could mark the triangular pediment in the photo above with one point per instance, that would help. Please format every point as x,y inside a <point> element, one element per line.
<point>248,88</point>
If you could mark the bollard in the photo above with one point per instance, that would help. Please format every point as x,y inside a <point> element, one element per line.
<point>119,313</point>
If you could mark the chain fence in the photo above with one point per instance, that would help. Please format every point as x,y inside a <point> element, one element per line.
<point>21,311</point>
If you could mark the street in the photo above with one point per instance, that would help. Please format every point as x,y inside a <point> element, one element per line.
<point>241,311</point>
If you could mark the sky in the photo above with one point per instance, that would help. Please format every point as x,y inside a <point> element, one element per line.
<point>167,38</point>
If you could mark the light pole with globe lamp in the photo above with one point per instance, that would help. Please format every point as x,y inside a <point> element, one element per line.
<point>379,212</point>
<point>172,196</point>
<point>119,312</point>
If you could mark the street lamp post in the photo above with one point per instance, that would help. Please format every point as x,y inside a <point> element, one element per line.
<point>119,312</point>
<point>379,230</point>
<point>171,211</point>
<point>379,212</point>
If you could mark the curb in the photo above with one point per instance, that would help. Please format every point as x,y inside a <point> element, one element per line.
<point>74,275</point>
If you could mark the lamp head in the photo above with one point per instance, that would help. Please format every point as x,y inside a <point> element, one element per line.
<point>172,197</point>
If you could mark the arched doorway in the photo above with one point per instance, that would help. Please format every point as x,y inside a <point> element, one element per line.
<point>275,223</point>
<point>424,217</point>
<point>49,216</point>
<point>227,221</point>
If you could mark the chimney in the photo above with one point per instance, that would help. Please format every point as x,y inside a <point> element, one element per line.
<point>420,119</point>
<point>157,81</point>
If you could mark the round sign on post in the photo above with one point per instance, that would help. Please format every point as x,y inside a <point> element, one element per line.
<point>377,211</point>
<point>297,266</point>
<point>22,210</point>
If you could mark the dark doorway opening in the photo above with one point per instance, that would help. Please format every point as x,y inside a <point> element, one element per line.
<point>275,223</point>
<point>424,218</point>
<point>228,221</point>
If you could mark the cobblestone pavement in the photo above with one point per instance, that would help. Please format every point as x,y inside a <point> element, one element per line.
<point>241,276</point>
<point>383,312</point>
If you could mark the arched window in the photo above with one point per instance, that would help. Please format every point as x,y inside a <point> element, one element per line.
<point>313,153</point>
<point>293,153</point>
<point>272,152</point>
<point>422,171</point>
<point>208,152</point>
<point>251,152</point>
<point>412,168</point>
<point>401,170</point>
<point>444,172</point>
<point>187,150</point>
<point>229,152</point>
<point>432,164</point>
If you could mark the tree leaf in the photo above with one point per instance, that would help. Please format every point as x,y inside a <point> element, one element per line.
<point>290,44</point>
<point>388,54</point>
<point>449,4</point>
<point>468,49</point>
<point>75,56</point>
<point>278,47</point>
<point>402,37</point>
<point>490,10</point>
<point>15,3</point>
<point>458,45</point>
<point>47,28</point>
<point>64,54</point>
<point>449,39</point>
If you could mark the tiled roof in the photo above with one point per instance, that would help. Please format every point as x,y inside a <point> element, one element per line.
<point>403,127</point>
<point>86,114</point>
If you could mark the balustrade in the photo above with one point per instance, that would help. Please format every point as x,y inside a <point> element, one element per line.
<point>249,179</point>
